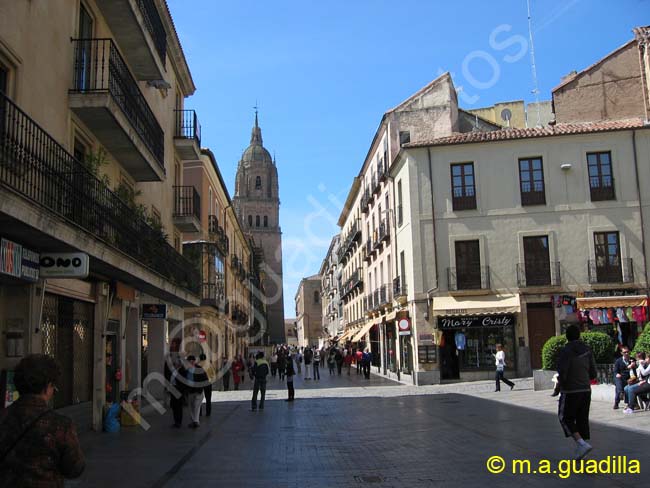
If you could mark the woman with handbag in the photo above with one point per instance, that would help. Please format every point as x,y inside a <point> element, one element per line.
<point>37,446</point>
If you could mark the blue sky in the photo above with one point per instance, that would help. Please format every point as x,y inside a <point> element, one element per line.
<point>324,72</point>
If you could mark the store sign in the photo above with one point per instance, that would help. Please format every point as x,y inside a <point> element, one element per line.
<point>404,326</point>
<point>500,320</point>
<point>11,258</point>
<point>154,311</point>
<point>65,265</point>
<point>611,293</point>
<point>18,261</point>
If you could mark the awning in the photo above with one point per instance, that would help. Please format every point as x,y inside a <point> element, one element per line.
<point>364,330</point>
<point>345,335</point>
<point>476,305</point>
<point>391,316</point>
<point>612,302</point>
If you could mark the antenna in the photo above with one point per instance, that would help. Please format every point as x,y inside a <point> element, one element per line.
<point>533,67</point>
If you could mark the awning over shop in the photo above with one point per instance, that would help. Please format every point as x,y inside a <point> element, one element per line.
<point>612,302</point>
<point>345,335</point>
<point>391,316</point>
<point>476,305</point>
<point>364,330</point>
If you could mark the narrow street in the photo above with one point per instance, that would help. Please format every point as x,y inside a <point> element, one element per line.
<point>347,432</point>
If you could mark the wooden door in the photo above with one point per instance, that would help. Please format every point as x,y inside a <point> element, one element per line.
<point>541,326</point>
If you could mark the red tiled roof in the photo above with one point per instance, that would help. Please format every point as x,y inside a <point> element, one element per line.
<point>547,131</point>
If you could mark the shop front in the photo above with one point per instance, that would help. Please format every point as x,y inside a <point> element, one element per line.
<point>468,331</point>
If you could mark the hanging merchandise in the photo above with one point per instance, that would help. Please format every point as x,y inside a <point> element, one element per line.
<point>637,314</point>
<point>603,316</point>
<point>460,340</point>
<point>620,315</point>
<point>620,334</point>
<point>610,315</point>
<point>594,315</point>
<point>630,314</point>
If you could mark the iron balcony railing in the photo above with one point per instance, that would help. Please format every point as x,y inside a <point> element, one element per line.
<point>385,295</point>
<point>464,202</point>
<point>468,278</point>
<point>353,282</point>
<point>375,185</point>
<point>187,126</point>
<point>382,169</point>
<point>154,25</point>
<point>187,202</point>
<point>214,295</point>
<point>542,273</point>
<point>34,165</point>
<point>365,200</point>
<point>219,235</point>
<point>617,271</point>
<point>399,287</point>
<point>601,189</point>
<point>375,299</point>
<point>367,250</point>
<point>100,68</point>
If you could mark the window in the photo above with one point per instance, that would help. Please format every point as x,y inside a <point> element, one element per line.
<point>468,266</point>
<point>315,297</point>
<point>257,221</point>
<point>83,54</point>
<point>250,221</point>
<point>404,137</point>
<point>531,181</point>
<point>4,79</point>
<point>258,183</point>
<point>80,150</point>
<point>266,221</point>
<point>462,186</point>
<point>399,203</point>
<point>155,215</point>
<point>427,354</point>
<point>537,264</point>
<point>601,180</point>
<point>607,250</point>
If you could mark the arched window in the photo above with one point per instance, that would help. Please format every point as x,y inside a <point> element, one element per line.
<point>315,297</point>
<point>257,221</point>
<point>266,221</point>
<point>250,221</point>
<point>258,182</point>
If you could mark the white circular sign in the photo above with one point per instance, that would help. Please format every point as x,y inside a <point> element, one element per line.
<point>403,324</point>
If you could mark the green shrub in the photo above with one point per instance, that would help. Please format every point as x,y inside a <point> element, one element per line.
<point>551,351</point>
<point>601,346</point>
<point>643,341</point>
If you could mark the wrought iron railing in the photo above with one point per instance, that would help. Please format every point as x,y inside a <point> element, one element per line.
<point>35,166</point>
<point>601,189</point>
<point>605,374</point>
<point>187,125</point>
<point>543,273</point>
<point>187,202</point>
<point>620,272</point>
<point>154,25</point>
<point>469,278</point>
<point>365,200</point>
<point>399,287</point>
<point>100,68</point>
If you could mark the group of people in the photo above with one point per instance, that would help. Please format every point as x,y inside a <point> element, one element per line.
<point>632,380</point>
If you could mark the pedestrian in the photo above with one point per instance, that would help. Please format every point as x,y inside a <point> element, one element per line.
<point>274,363</point>
<point>290,373</point>
<point>298,360</point>
<point>622,368</point>
<point>282,364</point>
<point>338,358</point>
<point>237,370</point>
<point>366,359</point>
<point>308,356</point>
<point>576,367</point>
<point>322,357</point>
<point>358,357</point>
<point>207,389</point>
<point>331,363</point>
<point>500,363</point>
<point>316,363</point>
<point>225,373</point>
<point>196,379</point>
<point>242,370</point>
<point>174,374</point>
<point>250,364</point>
<point>347,360</point>
<point>260,372</point>
<point>38,447</point>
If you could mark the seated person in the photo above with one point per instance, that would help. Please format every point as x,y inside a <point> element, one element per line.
<point>643,385</point>
<point>633,382</point>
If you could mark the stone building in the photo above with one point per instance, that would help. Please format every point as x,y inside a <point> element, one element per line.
<point>309,327</point>
<point>257,204</point>
<point>330,290</point>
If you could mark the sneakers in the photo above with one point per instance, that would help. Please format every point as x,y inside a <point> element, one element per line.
<point>582,450</point>
<point>628,410</point>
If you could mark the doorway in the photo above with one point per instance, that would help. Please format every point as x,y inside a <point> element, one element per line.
<point>449,362</point>
<point>541,326</point>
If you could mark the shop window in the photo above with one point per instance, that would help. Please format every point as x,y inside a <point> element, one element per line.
<point>463,190</point>
<point>531,181</point>
<point>601,179</point>
<point>427,354</point>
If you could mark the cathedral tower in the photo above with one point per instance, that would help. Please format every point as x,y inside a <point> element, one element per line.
<point>257,205</point>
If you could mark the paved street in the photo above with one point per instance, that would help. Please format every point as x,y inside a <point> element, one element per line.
<point>385,435</point>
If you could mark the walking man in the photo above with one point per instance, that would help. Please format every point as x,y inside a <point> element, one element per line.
<point>500,362</point>
<point>207,389</point>
<point>225,372</point>
<point>261,371</point>
<point>576,367</point>
<point>308,356</point>
<point>290,373</point>
<point>196,381</point>
<point>316,362</point>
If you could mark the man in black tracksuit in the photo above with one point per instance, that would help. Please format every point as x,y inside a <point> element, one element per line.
<point>261,370</point>
<point>576,368</point>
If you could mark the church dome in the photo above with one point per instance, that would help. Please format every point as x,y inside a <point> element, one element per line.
<point>256,153</point>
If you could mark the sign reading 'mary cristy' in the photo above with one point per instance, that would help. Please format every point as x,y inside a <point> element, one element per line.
<point>499,320</point>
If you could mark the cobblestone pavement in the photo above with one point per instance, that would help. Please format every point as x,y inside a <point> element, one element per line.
<point>351,432</point>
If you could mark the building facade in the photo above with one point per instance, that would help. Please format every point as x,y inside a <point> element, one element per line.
<point>309,327</point>
<point>257,204</point>
<point>332,319</point>
<point>90,166</point>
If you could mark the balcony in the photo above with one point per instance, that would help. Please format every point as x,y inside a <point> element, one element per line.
<point>106,97</point>
<point>385,296</point>
<point>35,166</point>
<point>468,278</point>
<point>214,295</point>
<point>464,202</point>
<point>382,169</point>
<point>375,186</point>
<point>543,273</point>
<point>601,190</point>
<point>187,136</point>
<point>533,198</point>
<point>384,232</point>
<point>399,290</point>
<point>351,284</point>
<point>187,209</point>
<point>368,251</point>
<point>217,234</point>
<point>138,29</point>
<point>620,271</point>
<point>365,200</point>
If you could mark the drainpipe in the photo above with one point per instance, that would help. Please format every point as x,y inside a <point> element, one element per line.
<point>638,190</point>
<point>433,228</point>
